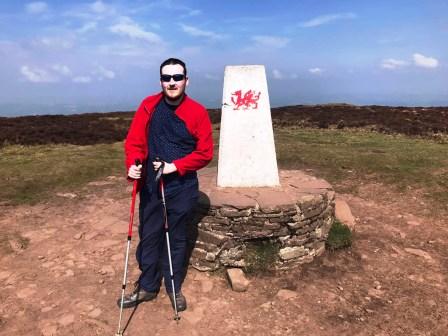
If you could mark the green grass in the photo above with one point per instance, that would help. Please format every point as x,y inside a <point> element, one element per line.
<point>261,256</point>
<point>29,174</point>
<point>350,155</point>
<point>339,237</point>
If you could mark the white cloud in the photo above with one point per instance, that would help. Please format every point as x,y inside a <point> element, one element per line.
<point>82,79</point>
<point>37,7</point>
<point>87,27</point>
<point>277,74</point>
<point>104,73</point>
<point>62,69</point>
<point>99,7</point>
<point>392,63</point>
<point>131,29</point>
<point>320,20</point>
<point>37,75</point>
<point>196,32</point>
<point>316,71</point>
<point>424,61</point>
<point>270,41</point>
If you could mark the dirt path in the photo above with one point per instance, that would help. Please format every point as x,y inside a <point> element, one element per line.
<point>62,264</point>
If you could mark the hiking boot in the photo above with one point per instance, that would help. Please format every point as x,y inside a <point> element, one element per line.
<point>139,295</point>
<point>181,301</point>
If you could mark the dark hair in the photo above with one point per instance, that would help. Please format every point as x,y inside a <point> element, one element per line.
<point>172,61</point>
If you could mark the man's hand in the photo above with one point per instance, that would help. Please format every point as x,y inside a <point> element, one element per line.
<point>135,172</point>
<point>167,169</point>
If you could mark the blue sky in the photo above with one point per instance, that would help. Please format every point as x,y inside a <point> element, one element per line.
<point>76,56</point>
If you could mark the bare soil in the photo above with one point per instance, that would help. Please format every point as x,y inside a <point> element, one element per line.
<point>62,265</point>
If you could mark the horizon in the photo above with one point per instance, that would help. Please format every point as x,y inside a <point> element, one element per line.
<point>104,56</point>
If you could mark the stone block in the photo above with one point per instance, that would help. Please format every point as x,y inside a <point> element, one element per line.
<point>231,212</point>
<point>207,247</point>
<point>211,237</point>
<point>237,279</point>
<point>258,214</point>
<point>283,219</point>
<point>344,214</point>
<point>288,253</point>
<point>297,240</point>
<point>216,219</point>
<point>233,257</point>
<point>272,226</point>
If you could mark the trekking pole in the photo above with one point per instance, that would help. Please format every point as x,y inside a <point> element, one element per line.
<point>162,191</point>
<point>131,222</point>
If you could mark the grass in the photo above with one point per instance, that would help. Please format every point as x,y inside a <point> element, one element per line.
<point>352,155</point>
<point>339,237</point>
<point>30,174</point>
<point>261,256</point>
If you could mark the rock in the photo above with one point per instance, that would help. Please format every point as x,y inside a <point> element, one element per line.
<point>233,257</point>
<point>5,275</point>
<point>419,253</point>
<point>107,269</point>
<point>413,223</point>
<point>377,293</point>
<point>78,236</point>
<point>26,292</point>
<point>286,294</point>
<point>291,252</point>
<point>237,279</point>
<point>266,306</point>
<point>344,214</point>
<point>66,320</point>
<point>91,235</point>
<point>210,256</point>
<point>67,195</point>
<point>46,309</point>
<point>95,313</point>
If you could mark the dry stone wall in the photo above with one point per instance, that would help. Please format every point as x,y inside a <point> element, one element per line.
<point>296,217</point>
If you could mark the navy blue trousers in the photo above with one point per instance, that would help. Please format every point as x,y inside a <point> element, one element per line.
<point>152,252</point>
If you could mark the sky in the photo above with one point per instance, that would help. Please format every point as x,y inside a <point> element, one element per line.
<point>86,56</point>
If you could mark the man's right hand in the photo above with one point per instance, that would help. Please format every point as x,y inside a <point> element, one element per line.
<point>135,172</point>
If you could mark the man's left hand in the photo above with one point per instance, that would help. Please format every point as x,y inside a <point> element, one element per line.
<point>167,169</point>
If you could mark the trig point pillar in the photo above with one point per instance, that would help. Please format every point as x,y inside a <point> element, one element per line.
<point>246,145</point>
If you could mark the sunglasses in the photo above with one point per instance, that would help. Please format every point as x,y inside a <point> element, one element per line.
<point>176,77</point>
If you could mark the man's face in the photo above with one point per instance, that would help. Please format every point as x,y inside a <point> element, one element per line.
<point>173,89</point>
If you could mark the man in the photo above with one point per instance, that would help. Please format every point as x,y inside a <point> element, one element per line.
<point>175,128</point>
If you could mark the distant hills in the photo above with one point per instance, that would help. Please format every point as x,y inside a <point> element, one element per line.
<point>92,128</point>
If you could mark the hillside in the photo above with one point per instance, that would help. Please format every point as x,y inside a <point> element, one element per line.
<point>92,128</point>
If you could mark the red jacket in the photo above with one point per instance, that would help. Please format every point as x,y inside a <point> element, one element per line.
<point>197,121</point>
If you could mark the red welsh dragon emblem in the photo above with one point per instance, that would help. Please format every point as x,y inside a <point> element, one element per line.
<point>249,100</point>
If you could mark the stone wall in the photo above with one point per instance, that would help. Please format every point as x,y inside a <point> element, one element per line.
<point>296,216</point>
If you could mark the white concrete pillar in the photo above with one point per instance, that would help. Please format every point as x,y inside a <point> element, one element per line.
<point>246,144</point>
